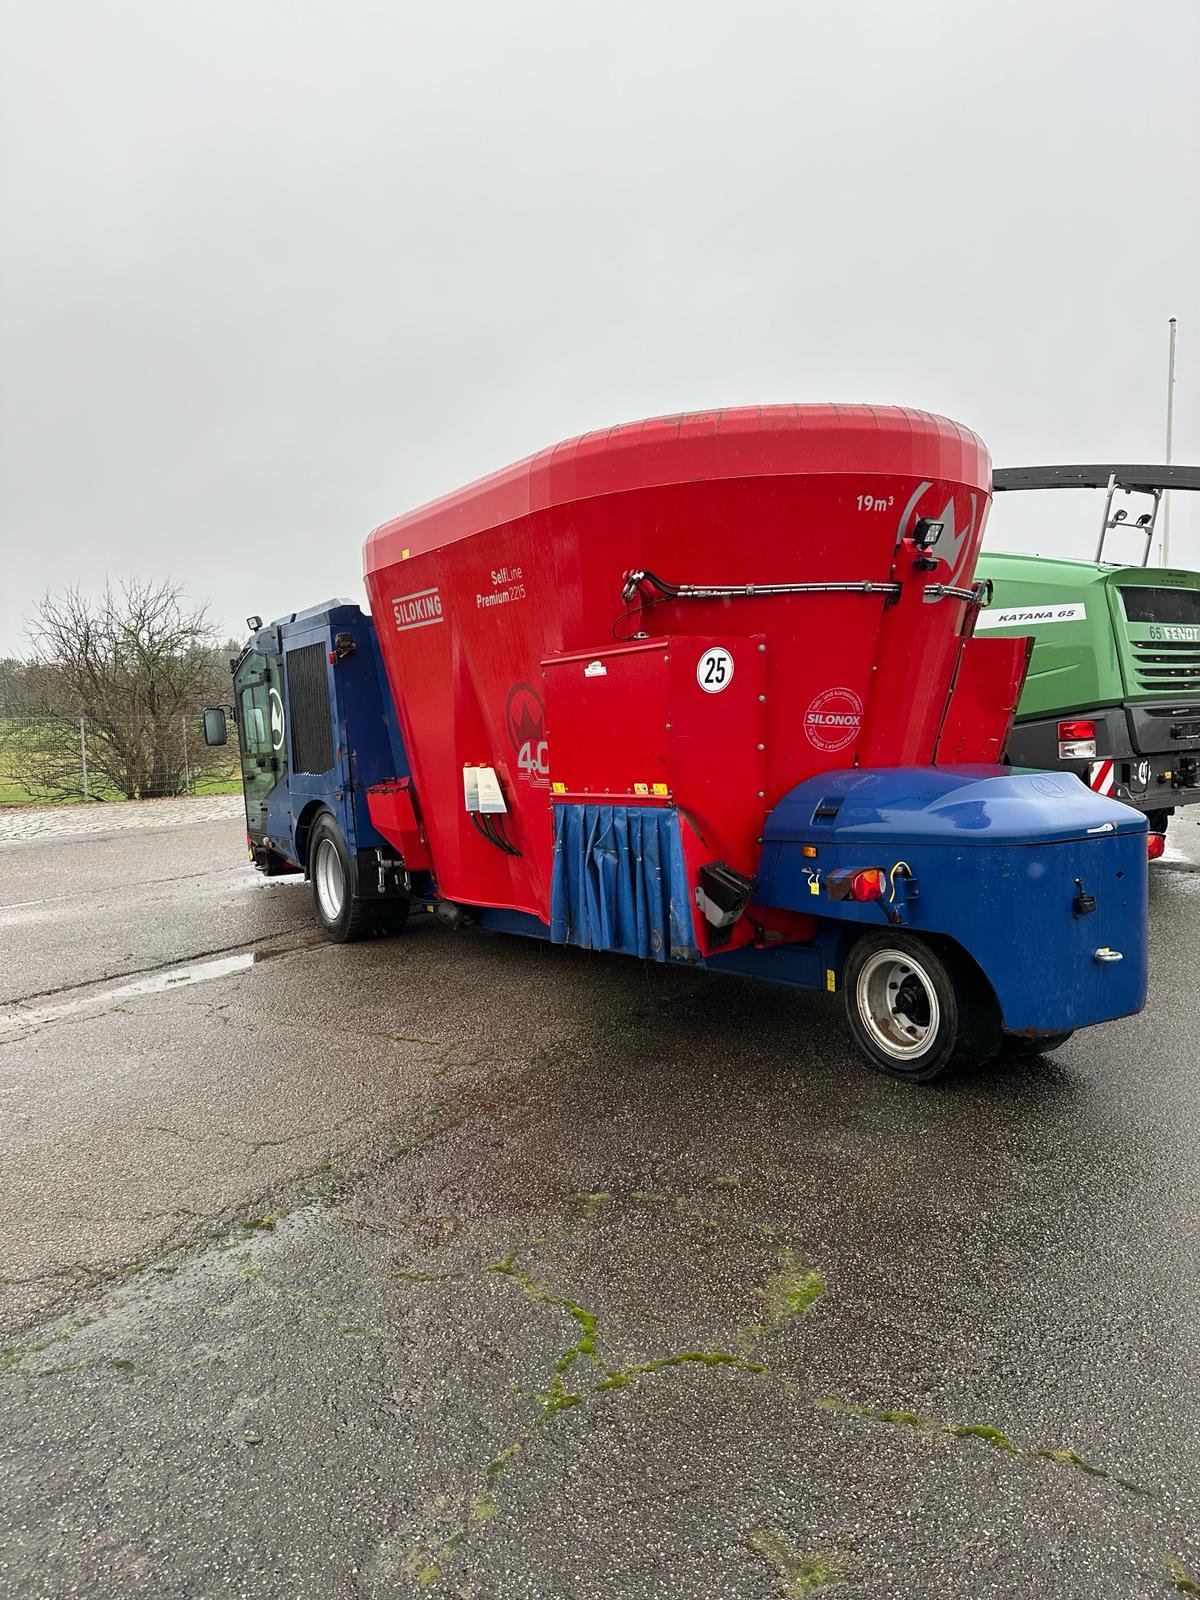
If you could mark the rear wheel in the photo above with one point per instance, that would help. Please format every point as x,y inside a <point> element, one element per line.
<point>915,1011</point>
<point>344,914</point>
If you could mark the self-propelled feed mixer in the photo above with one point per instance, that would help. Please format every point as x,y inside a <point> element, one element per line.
<point>705,689</point>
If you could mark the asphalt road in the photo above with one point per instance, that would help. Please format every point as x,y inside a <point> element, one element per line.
<point>459,1266</point>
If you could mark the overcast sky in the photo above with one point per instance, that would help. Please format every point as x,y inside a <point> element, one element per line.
<point>272,272</point>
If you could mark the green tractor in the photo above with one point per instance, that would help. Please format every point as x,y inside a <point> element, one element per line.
<point>1113,692</point>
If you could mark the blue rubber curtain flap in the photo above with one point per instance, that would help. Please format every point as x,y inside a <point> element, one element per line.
<point>620,882</point>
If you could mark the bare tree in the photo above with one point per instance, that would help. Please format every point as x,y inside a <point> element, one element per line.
<point>137,665</point>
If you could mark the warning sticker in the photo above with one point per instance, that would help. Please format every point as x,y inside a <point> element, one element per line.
<point>834,719</point>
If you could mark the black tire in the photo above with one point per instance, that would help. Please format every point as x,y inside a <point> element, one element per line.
<point>916,1012</point>
<point>1156,821</point>
<point>343,913</point>
<point>1016,1048</point>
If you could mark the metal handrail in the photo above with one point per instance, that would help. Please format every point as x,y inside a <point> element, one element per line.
<point>1154,481</point>
<point>718,591</point>
<point>978,595</point>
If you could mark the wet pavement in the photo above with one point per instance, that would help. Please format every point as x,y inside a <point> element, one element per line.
<point>456,1265</point>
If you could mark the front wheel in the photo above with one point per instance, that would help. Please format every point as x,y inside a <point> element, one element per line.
<point>915,1011</point>
<point>342,913</point>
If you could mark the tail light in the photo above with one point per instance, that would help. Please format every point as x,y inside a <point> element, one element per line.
<point>1077,740</point>
<point>1156,843</point>
<point>868,884</point>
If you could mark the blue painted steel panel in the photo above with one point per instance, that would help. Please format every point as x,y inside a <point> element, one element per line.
<point>365,732</point>
<point>499,919</point>
<point>1005,894</point>
<point>620,882</point>
<point>799,966</point>
<point>969,805</point>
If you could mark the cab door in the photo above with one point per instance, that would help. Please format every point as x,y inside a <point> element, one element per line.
<point>262,743</point>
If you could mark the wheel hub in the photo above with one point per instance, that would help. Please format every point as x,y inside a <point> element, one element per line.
<point>898,1004</point>
<point>329,879</point>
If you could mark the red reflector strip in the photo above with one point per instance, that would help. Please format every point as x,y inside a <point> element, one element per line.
<point>1100,777</point>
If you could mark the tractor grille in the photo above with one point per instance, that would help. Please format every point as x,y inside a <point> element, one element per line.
<point>1166,666</point>
<point>308,708</point>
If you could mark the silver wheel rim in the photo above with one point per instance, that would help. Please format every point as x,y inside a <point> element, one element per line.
<point>329,879</point>
<point>898,1004</point>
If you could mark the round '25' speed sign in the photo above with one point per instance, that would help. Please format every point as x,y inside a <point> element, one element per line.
<point>714,670</point>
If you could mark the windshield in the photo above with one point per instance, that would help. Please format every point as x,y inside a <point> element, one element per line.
<point>1144,604</point>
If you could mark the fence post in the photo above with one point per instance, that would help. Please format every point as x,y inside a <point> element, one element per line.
<point>187,771</point>
<point>83,756</point>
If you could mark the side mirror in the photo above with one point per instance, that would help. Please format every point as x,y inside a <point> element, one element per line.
<point>215,731</point>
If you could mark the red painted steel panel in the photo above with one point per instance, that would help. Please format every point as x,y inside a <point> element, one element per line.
<point>984,703</point>
<point>473,592</point>
<point>633,725</point>
<point>612,712</point>
<point>391,809</point>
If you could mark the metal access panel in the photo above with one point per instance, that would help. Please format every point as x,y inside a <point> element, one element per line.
<point>990,678</point>
<point>679,720</point>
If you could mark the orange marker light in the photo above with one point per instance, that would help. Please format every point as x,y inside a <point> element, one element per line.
<point>808,850</point>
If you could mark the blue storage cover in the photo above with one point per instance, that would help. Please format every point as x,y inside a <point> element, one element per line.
<point>946,805</point>
<point>620,882</point>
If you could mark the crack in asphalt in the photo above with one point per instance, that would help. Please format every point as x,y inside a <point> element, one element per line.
<point>978,1430</point>
<point>1182,1580</point>
<point>227,1225</point>
<point>327,1173</point>
<point>785,1294</point>
<point>251,1145</point>
<point>20,1021</point>
<point>801,1572</point>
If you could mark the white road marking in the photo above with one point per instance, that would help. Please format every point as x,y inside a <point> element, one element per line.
<point>16,1018</point>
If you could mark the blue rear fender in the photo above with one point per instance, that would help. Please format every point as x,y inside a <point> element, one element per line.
<point>1042,883</point>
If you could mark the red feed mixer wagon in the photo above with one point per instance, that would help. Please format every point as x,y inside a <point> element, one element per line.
<point>705,689</point>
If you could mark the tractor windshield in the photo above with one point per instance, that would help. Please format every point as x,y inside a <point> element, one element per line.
<point>1144,603</point>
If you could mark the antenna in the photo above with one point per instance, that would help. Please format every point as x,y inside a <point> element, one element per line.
<point>1166,538</point>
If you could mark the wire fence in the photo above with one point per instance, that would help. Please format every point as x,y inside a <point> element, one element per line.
<point>67,757</point>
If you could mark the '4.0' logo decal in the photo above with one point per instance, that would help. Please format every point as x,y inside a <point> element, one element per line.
<point>525,716</point>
